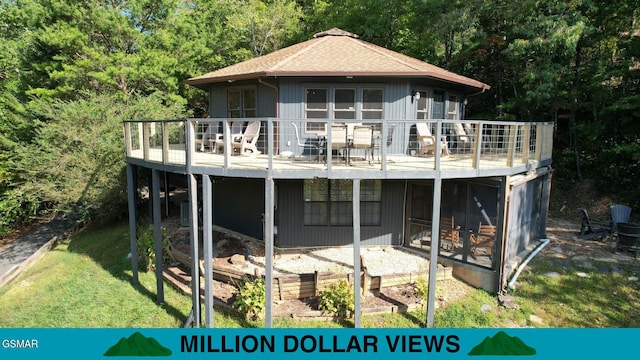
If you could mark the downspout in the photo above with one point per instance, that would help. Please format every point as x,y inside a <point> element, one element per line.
<point>476,93</point>
<point>512,282</point>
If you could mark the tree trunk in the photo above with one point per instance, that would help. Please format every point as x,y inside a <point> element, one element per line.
<point>573,137</point>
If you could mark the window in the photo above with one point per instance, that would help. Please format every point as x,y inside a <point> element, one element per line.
<point>241,103</point>
<point>423,106</point>
<point>437,108</point>
<point>452,108</point>
<point>316,199</point>
<point>344,104</point>
<point>316,108</point>
<point>329,202</point>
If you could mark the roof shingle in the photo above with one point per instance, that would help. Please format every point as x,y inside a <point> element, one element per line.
<point>333,53</point>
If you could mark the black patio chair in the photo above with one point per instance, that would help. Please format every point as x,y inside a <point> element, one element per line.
<point>590,229</point>
<point>619,214</point>
<point>628,238</point>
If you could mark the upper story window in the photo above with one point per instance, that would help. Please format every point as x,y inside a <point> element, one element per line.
<point>343,103</point>
<point>437,105</point>
<point>452,107</point>
<point>372,104</point>
<point>316,107</point>
<point>433,108</point>
<point>241,103</point>
<point>422,108</point>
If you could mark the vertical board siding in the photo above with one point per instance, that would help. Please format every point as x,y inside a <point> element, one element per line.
<point>293,233</point>
<point>238,205</point>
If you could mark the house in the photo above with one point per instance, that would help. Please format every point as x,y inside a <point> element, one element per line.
<point>298,136</point>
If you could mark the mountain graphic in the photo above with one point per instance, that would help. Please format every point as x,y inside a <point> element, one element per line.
<point>138,345</point>
<point>502,344</point>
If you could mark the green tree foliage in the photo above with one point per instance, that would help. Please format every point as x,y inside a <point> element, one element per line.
<point>76,156</point>
<point>265,26</point>
<point>71,71</point>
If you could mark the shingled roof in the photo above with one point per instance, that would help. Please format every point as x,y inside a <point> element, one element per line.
<point>334,52</point>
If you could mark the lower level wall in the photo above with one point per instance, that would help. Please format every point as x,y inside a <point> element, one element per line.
<point>475,276</point>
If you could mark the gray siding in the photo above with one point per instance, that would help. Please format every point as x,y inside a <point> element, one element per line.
<point>293,233</point>
<point>238,204</point>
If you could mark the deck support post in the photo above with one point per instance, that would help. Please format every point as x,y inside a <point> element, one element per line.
<point>356,252</point>
<point>207,230</point>
<point>133,220</point>
<point>269,204</point>
<point>195,251</point>
<point>435,246</point>
<point>157,233</point>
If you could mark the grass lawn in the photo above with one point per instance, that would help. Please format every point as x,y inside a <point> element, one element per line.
<point>86,281</point>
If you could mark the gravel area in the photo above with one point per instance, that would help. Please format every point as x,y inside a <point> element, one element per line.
<point>378,260</point>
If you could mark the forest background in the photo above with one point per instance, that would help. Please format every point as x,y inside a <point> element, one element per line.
<point>72,70</point>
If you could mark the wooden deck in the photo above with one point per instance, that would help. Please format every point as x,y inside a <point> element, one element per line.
<point>498,148</point>
<point>496,162</point>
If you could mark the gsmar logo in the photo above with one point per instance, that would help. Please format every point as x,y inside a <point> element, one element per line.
<point>138,345</point>
<point>502,344</point>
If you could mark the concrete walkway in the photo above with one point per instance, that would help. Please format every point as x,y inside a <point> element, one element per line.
<point>17,255</point>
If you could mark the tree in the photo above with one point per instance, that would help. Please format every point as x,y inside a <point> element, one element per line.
<point>76,156</point>
<point>265,25</point>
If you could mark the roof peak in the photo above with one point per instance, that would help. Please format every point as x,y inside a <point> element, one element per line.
<point>336,32</point>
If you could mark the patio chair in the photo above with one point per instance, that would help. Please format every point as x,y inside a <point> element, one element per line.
<point>484,238</point>
<point>463,141</point>
<point>236,131</point>
<point>338,138</point>
<point>362,139</point>
<point>619,214</point>
<point>628,238</point>
<point>210,136</point>
<point>590,229</point>
<point>427,141</point>
<point>449,233</point>
<point>310,147</point>
<point>248,140</point>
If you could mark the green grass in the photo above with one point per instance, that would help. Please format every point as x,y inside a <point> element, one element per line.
<point>86,281</point>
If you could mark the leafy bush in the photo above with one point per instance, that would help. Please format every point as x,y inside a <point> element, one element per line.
<point>338,299</point>
<point>250,299</point>
<point>421,287</point>
<point>146,247</point>
<point>75,157</point>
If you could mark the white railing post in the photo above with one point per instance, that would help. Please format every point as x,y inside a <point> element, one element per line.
<point>165,142</point>
<point>146,130</point>
<point>526,138</point>
<point>477,150</point>
<point>539,141</point>
<point>127,138</point>
<point>190,141</point>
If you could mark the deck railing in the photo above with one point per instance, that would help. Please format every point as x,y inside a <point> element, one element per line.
<point>297,146</point>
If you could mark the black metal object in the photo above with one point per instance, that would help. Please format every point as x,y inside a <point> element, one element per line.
<point>590,229</point>
<point>628,237</point>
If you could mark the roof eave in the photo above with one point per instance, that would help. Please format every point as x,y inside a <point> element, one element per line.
<point>200,81</point>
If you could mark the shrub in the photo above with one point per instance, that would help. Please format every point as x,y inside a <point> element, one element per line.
<point>147,248</point>
<point>421,287</point>
<point>250,299</point>
<point>338,299</point>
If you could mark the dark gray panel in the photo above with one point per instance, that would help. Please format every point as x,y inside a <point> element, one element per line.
<point>238,204</point>
<point>293,233</point>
